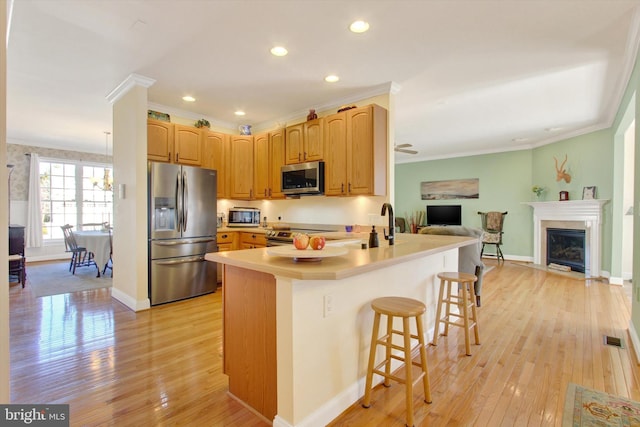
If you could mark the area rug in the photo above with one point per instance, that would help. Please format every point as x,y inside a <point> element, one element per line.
<point>584,407</point>
<point>55,278</point>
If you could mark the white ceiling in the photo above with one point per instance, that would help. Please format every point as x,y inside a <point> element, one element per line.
<point>474,76</point>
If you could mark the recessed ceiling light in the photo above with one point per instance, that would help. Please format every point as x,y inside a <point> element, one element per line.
<point>239,113</point>
<point>359,26</point>
<point>554,129</point>
<point>188,98</point>
<point>520,139</point>
<point>279,51</point>
<point>331,78</point>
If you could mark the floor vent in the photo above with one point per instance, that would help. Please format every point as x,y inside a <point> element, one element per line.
<point>614,341</point>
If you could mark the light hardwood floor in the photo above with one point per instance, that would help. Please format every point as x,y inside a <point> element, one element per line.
<point>539,331</point>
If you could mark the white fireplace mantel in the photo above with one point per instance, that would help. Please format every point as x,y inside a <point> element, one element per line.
<point>588,212</point>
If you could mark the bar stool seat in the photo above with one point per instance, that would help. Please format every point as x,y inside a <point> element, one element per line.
<point>465,299</point>
<point>404,308</point>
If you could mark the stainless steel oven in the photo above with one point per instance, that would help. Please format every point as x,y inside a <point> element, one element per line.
<point>285,237</point>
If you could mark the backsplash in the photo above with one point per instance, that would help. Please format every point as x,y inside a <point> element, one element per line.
<point>20,175</point>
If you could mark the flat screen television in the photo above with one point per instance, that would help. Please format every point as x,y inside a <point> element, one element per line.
<point>444,214</point>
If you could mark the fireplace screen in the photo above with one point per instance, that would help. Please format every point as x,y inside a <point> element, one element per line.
<point>566,247</point>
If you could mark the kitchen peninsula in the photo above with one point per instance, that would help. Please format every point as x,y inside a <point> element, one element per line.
<point>297,334</point>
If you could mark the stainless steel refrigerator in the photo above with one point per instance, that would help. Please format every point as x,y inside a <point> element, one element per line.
<point>182,229</point>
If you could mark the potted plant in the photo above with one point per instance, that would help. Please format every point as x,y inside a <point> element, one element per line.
<point>538,191</point>
<point>202,123</point>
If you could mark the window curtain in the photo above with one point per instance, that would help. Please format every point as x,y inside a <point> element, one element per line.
<point>34,211</point>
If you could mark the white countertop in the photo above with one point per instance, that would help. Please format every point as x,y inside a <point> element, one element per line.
<point>356,261</point>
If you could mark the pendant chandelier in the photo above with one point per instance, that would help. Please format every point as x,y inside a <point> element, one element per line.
<point>107,180</point>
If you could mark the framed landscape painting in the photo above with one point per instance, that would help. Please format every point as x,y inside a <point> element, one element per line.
<point>450,189</point>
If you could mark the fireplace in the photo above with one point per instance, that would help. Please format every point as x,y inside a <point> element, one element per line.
<point>566,247</point>
<point>585,215</point>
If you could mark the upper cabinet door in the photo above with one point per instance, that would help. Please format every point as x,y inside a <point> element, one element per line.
<point>294,144</point>
<point>215,156</point>
<point>188,145</point>
<point>159,140</point>
<point>335,172</point>
<point>261,171</point>
<point>360,150</point>
<point>276,157</point>
<point>241,167</point>
<point>313,140</point>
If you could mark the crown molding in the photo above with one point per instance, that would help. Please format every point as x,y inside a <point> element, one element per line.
<point>128,83</point>
<point>381,89</point>
<point>630,57</point>
<point>190,115</point>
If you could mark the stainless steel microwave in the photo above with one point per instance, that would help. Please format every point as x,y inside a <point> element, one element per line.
<point>303,178</point>
<point>244,217</point>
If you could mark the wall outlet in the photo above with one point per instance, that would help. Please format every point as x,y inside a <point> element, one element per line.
<point>328,305</point>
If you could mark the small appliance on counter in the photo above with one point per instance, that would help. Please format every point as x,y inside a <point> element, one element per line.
<point>243,217</point>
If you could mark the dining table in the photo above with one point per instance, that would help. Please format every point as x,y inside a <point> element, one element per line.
<point>98,242</point>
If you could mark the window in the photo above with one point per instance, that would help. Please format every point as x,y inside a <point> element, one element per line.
<point>62,184</point>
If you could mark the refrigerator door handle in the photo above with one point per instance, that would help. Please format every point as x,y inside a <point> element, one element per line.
<point>185,200</point>
<point>183,241</point>
<point>181,261</point>
<point>179,201</point>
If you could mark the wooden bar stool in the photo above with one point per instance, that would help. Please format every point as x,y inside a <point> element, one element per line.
<point>404,308</point>
<point>465,299</point>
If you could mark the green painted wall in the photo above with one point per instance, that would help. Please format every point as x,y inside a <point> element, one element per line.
<point>505,182</point>
<point>590,162</point>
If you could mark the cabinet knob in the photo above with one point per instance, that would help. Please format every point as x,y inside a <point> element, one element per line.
<point>224,236</point>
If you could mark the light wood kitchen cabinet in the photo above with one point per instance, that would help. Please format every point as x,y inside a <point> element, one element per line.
<point>160,137</point>
<point>356,145</point>
<point>187,145</point>
<point>215,155</point>
<point>305,142</point>
<point>241,167</point>
<point>250,240</point>
<point>227,241</point>
<point>261,166</point>
<point>277,146</point>
<point>268,159</point>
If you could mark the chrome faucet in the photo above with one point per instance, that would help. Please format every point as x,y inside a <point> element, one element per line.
<point>392,224</point>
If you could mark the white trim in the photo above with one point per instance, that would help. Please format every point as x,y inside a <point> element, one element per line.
<point>619,281</point>
<point>130,302</point>
<point>381,89</point>
<point>635,342</point>
<point>588,212</point>
<point>190,115</point>
<point>126,85</point>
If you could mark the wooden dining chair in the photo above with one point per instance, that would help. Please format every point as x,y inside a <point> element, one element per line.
<point>80,257</point>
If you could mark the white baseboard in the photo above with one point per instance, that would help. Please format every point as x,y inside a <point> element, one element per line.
<point>616,281</point>
<point>633,335</point>
<point>130,302</point>
<point>334,407</point>
<point>517,258</point>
